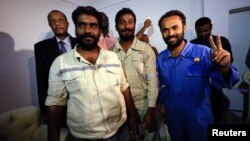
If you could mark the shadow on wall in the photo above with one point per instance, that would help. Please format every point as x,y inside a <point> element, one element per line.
<point>17,73</point>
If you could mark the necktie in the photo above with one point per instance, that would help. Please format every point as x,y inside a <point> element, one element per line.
<point>63,48</point>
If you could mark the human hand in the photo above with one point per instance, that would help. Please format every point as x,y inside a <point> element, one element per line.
<point>220,56</point>
<point>160,113</point>
<point>147,23</point>
<point>133,129</point>
<point>149,120</point>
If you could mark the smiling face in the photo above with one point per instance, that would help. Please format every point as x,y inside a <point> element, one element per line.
<point>58,23</point>
<point>87,31</point>
<point>172,30</point>
<point>126,27</point>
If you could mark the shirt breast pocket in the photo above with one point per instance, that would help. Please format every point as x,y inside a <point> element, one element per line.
<point>73,82</point>
<point>138,63</point>
<point>113,76</point>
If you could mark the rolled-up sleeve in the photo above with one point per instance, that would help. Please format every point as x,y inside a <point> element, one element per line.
<point>151,77</point>
<point>57,93</point>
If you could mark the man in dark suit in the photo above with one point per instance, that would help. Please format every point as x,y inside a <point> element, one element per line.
<point>219,101</point>
<point>47,50</point>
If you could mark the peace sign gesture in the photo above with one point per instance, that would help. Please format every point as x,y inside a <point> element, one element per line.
<point>220,56</point>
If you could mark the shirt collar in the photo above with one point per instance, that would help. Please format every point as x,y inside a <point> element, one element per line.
<point>66,40</point>
<point>102,57</point>
<point>184,53</point>
<point>134,45</point>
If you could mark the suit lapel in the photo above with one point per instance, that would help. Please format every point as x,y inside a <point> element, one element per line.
<point>73,42</point>
<point>54,48</point>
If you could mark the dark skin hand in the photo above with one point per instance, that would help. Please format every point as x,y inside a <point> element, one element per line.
<point>55,120</point>
<point>149,119</point>
<point>132,115</point>
<point>220,57</point>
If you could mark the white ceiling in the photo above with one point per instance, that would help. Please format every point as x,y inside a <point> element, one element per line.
<point>98,4</point>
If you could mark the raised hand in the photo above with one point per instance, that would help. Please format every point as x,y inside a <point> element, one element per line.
<point>220,56</point>
<point>147,23</point>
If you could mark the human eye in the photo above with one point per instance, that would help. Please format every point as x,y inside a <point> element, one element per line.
<point>131,21</point>
<point>52,22</point>
<point>164,29</point>
<point>61,20</point>
<point>175,27</point>
<point>121,22</point>
<point>80,24</point>
<point>94,25</point>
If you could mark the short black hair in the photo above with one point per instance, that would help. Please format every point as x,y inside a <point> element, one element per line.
<point>202,21</point>
<point>88,10</point>
<point>105,24</point>
<point>122,12</point>
<point>173,13</point>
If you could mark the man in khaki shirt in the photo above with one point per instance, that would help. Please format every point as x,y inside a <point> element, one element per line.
<point>139,64</point>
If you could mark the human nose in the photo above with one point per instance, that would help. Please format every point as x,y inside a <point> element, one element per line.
<point>203,33</point>
<point>170,32</point>
<point>128,25</point>
<point>88,28</point>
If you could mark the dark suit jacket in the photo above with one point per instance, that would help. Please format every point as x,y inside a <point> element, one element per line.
<point>45,53</point>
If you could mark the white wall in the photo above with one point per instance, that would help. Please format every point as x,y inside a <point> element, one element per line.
<point>218,11</point>
<point>155,9</point>
<point>24,23</point>
<point>227,25</point>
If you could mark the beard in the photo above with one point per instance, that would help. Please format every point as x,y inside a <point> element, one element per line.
<point>179,37</point>
<point>126,36</point>
<point>87,45</point>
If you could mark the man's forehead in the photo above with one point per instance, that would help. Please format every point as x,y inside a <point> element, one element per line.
<point>171,21</point>
<point>126,16</point>
<point>55,15</point>
<point>87,18</point>
<point>205,26</point>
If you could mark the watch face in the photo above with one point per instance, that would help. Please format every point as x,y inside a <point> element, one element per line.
<point>246,77</point>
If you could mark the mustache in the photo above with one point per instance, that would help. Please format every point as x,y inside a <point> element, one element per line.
<point>173,36</point>
<point>127,29</point>
<point>86,36</point>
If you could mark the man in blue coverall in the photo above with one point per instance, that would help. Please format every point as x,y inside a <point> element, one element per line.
<point>185,71</point>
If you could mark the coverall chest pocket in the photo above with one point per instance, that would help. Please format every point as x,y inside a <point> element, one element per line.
<point>196,74</point>
<point>196,70</point>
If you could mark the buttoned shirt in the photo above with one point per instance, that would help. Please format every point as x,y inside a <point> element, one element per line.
<point>139,64</point>
<point>93,93</point>
<point>66,42</point>
<point>185,85</point>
